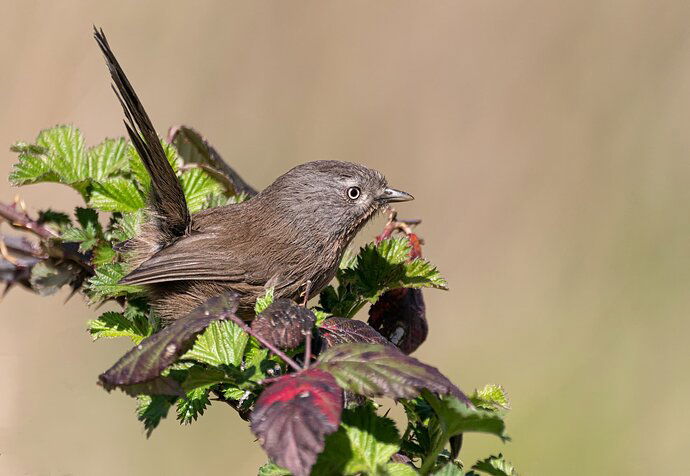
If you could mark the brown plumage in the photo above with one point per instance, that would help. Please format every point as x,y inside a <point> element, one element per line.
<point>293,232</point>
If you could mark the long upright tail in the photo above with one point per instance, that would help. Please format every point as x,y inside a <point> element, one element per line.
<point>167,197</point>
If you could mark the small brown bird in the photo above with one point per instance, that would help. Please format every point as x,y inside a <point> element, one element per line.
<point>291,236</point>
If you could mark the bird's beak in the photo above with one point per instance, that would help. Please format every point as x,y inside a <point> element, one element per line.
<point>390,195</point>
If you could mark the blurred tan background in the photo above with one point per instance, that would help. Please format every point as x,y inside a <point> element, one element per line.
<point>547,144</point>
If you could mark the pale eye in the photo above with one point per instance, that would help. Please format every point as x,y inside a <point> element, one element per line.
<point>353,193</point>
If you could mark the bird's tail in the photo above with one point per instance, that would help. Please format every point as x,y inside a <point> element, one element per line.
<point>167,198</point>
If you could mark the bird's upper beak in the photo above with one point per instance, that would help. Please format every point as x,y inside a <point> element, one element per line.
<point>392,195</point>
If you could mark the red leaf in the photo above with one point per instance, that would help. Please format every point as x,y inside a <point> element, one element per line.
<point>400,316</point>
<point>284,323</point>
<point>294,414</point>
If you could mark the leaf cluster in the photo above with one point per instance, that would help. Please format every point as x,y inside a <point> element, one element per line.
<point>304,378</point>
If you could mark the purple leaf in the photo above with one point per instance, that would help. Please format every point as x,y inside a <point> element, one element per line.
<point>144,363</point>
<point>294,414</point>
<point>375,370</point>
<point>340,330</point>
<point>284,323</point>
<point>400,316</point>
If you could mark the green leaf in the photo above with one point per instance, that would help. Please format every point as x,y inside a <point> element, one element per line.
<point>57,156</point>
<point>48,276</point>
<point>399,469</point>
<point>200,377</point>
<point>113,324</point>
<point>272,469</point>
<point>364,443</point>
<point>116,195</point>
<point>116,324</point>
<point>103,254</point>
<point>264,301</point>
<point>151,410</point>
<point>385,266</point>
<point>145,362</point>
<point>87,236</point>
<point>137,169</point>
<point>495,466</point>
<point>198,186</point>
<point>456,417</point>
<point>105,283</point>
<point>450,469</point>
<point>126,226</point>
<point>57,220</point>
<point>192,405</point>
<point>222,343</point>
<point>491,397</point>
<point>106,159</point>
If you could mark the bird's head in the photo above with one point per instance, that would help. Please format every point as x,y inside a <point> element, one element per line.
<point>332,196</point>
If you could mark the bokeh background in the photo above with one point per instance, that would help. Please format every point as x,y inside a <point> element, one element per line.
<point>547,144</point>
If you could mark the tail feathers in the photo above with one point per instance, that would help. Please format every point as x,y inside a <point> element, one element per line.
<point>167,197</point>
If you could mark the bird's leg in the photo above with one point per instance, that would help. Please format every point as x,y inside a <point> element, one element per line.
<point>307,290</point>
<point>307,349</point>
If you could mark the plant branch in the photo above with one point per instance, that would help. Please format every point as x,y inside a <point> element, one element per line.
<point>242,325</point>
<point>21,220</point>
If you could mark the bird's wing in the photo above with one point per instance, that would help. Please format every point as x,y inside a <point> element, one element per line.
<point>196,257</point>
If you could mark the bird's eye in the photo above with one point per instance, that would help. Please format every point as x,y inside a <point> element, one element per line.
<point>353,193</point>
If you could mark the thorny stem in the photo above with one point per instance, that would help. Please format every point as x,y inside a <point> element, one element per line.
<point>265,343</point>
<point>20,219</point>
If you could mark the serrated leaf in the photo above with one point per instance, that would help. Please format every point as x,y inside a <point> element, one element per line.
<point>48,276</point>
<point>198,186</point>
<point>385,266</point>
<point>263,301</point>
<point>126,226</point>
<point>116,195</point>
<point>495,466</point>
<point>272,469</point>
<point>106,159</point>
<point>57,156</point>
<point>137,169</point>
<point>222,343</point>
<point>294,414</point>
<point>199,377</point>
<point>376,370</point>
<point>194,149</point>
<point>89,232</point>
<point>491,397</point>
<point>192,405</point>
<point>449,469</point>
<point>457,417</point>
<point>146,361</point>
<point>340,330</point>
<point>399,469</point>
<point>364,443</point>
<point>103,254</point>
<point>151,410</point>
<point>57,220</point>
<point>106,282</point>
<point>114,324</point>
<point>284,323</point>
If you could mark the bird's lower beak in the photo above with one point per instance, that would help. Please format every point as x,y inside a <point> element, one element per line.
<point>390,195</point>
